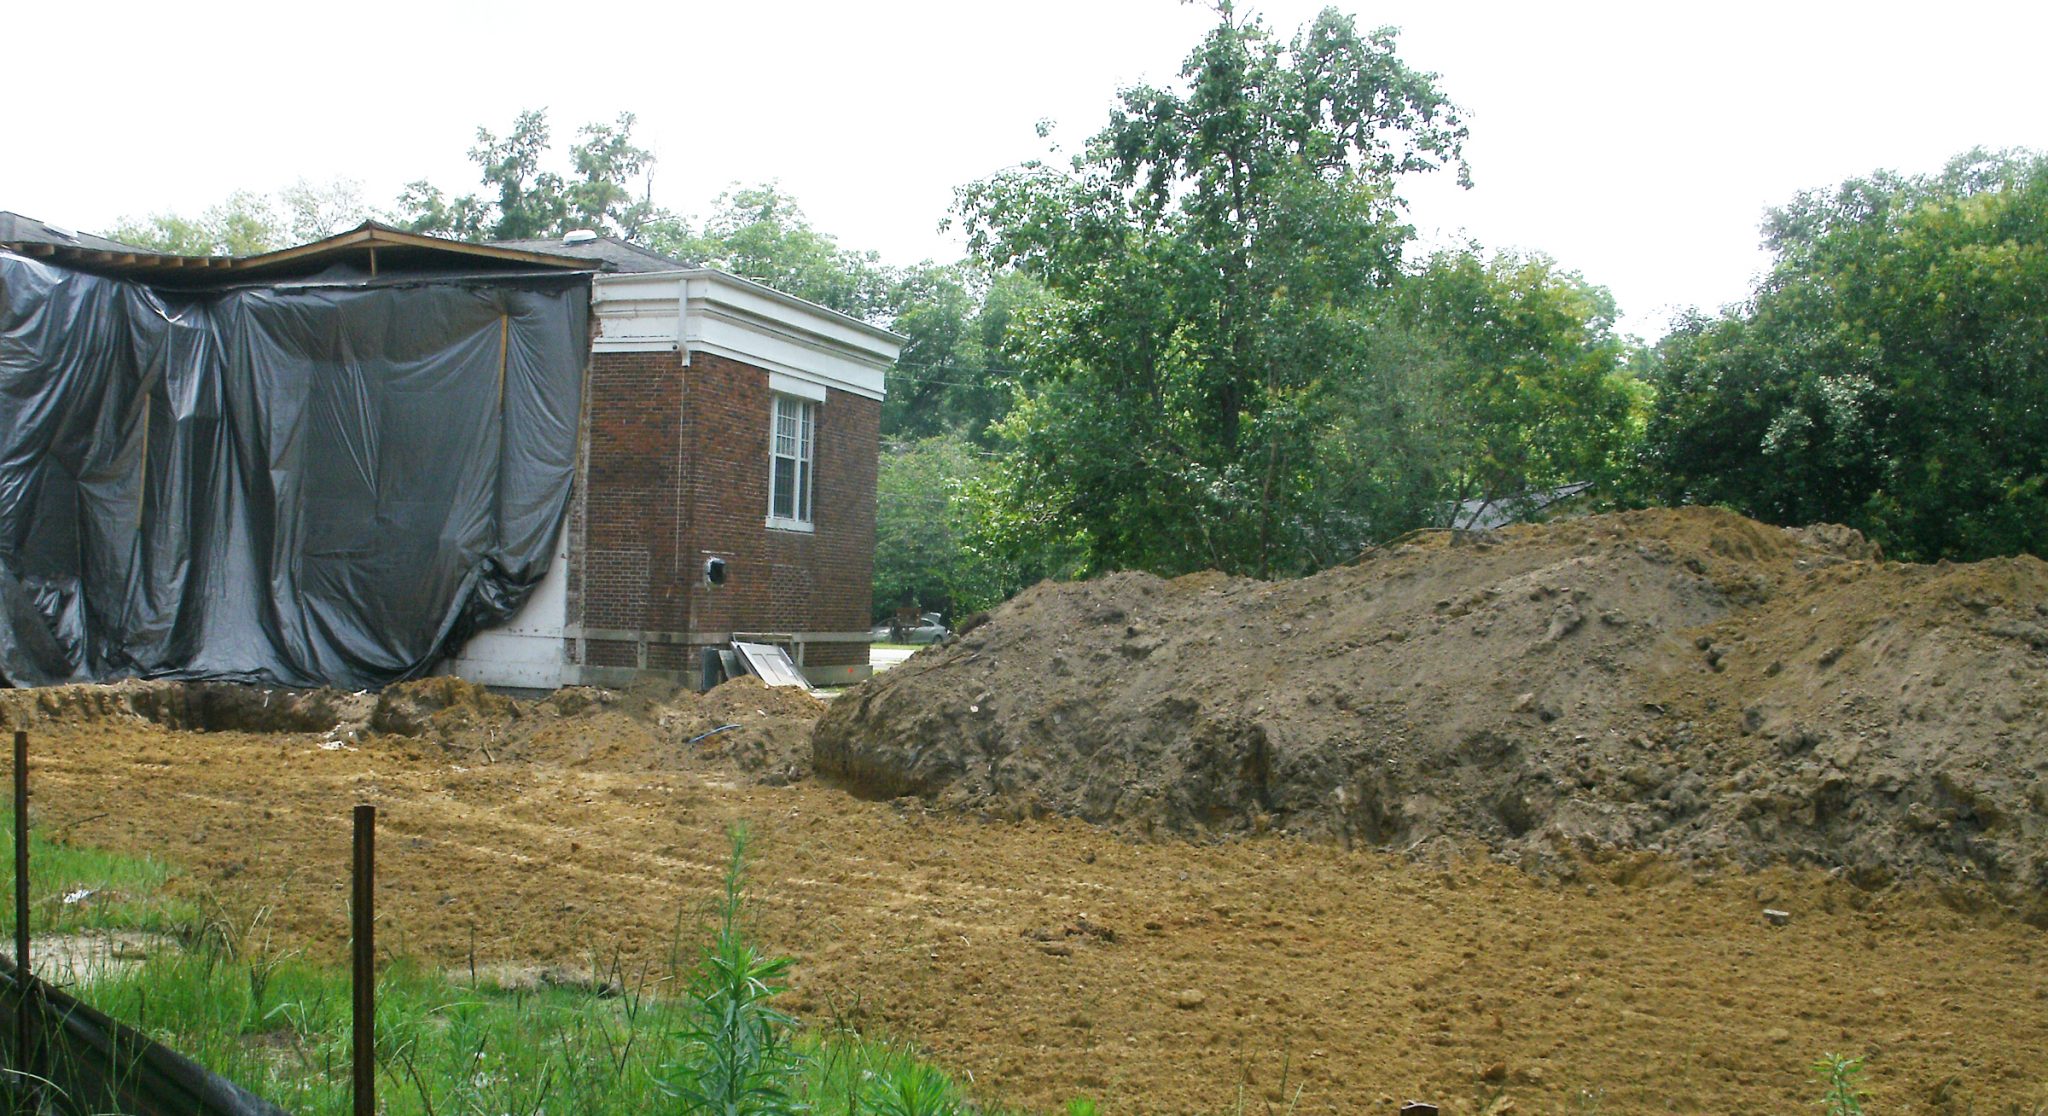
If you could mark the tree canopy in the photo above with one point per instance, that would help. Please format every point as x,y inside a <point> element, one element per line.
<point>1890,372</point>
<point>605,191</point>
<point>246,223</point>
<point>1214,253</point>
<point>1233,366</point>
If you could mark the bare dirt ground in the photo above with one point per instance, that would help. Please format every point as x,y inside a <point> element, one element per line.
<point>1049,958</point>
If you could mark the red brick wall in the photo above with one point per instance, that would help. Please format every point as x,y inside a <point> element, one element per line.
<point>678,472</point>
<point>627,557</point>
<point>818,581</point>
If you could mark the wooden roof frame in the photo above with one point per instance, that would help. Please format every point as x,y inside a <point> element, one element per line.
<point>371,235</point>
<point>365,239</point>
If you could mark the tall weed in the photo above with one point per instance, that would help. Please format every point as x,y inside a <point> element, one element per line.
<point>737,1056</point>
<point>1841,1095</point>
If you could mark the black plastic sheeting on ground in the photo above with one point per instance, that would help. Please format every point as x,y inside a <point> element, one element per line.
<point>333,482</point>
<point>83,1062</point>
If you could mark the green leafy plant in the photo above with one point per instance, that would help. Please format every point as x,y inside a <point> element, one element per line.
<point>737,1056</point>
<point>915,1089</point>
<point>1842,1096</point>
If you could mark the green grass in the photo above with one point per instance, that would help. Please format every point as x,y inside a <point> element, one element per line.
<point>74,889</point>
<point>643,1040</point>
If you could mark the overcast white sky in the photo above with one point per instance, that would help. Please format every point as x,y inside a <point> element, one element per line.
<point>1638,143</point>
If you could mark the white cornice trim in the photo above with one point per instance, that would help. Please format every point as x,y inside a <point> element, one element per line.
<point>798,386</point>
<point>702,310</point>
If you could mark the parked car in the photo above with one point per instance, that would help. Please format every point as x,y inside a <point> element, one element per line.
<point>928,629</point>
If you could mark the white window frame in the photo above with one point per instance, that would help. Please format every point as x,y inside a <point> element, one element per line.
<point>798,445</point>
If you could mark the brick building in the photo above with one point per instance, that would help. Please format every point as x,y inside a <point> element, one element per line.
<point>725,488</point>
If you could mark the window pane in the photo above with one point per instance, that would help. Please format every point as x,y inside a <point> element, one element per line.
<point>785,427</point>
<point>810,445</point>
<point>783,503</point>
<point>792,436</point>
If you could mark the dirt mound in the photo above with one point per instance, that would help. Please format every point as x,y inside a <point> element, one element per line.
<point>1687,681</point>
<point>745,727</point>
<point>443,707</point>
<point>186,706</point>
<point>759,729</point>
<point>755,731</point>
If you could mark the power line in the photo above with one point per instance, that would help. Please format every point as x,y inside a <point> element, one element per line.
<point>964,371</point>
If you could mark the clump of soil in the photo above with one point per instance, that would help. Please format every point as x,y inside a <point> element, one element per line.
<point>1686,681</point>
<point>187,706</point>
<point>444,708</point>
<point>756,732</point>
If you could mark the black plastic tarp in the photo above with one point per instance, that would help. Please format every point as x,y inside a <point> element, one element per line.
<point>83,1062</point>
<point>332,482</point>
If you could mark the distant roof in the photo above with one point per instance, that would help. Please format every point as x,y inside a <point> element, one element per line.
<point>1487,513</point>
<point>369,247</point>
<point>615,254</point>
<point>17,229</point>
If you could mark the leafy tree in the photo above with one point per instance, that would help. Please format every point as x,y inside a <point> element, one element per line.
<point>244,224</point>
<point>314,211</point>
<point>952,376</point>
<point>1216,257</point>
<point>761,233</point>
<point>1534,389</point>
<point>247,223</point>
<point>523,199</point>
<point>917,550</point>
<point>1485,378</point>
<point>606,163</point>
<point>423,208</point>
<point>531,201</point>
<point>1890,372</point>
<point>946,536</point>
<point>935,307</point>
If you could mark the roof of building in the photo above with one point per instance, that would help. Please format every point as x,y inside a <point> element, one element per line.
<point>614,253</point>
<point>17,229</point>
<point>1487,513</point>
<point>369,247</point>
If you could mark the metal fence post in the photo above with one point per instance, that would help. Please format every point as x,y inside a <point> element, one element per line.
<point>24,1015</point>
<point>364,955</point>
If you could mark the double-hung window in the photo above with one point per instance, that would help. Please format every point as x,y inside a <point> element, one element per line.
<point>790,448</point>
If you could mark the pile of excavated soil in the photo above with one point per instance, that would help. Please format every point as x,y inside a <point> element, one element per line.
<point>743,728</point>
<point>1688,682</point>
